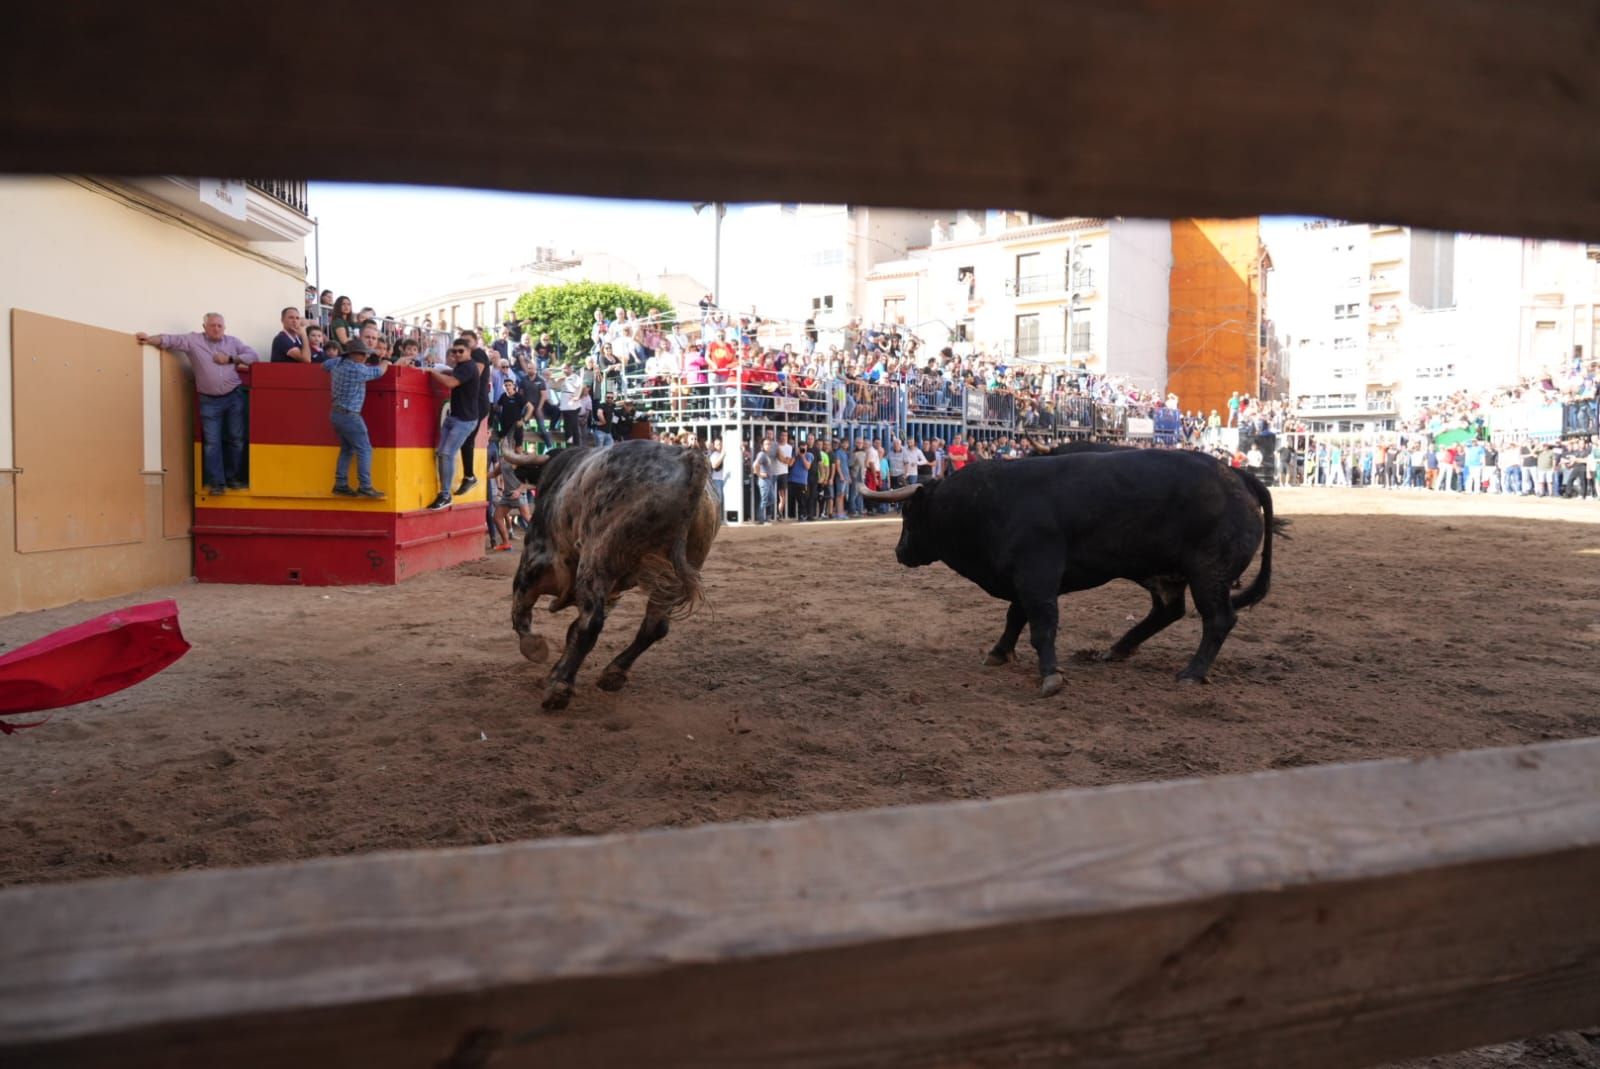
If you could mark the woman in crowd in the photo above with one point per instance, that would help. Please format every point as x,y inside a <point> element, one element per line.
<point>343,326</point>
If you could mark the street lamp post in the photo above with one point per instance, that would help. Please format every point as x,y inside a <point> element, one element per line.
<point>721,209</point>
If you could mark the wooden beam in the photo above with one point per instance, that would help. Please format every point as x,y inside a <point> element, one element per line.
<point>1323,917</point>
<point>1473,114</point>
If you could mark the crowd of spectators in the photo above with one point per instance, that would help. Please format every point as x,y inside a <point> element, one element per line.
<point>1469,442</point>
<point>644,371</point>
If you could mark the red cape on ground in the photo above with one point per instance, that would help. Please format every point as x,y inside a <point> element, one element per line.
<point>90,660</point>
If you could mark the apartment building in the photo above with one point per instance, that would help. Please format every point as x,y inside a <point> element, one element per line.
<point>1084,292</point>
<point>1379,320</point>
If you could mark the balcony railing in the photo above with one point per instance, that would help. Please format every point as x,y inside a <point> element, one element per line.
<point>1026,284</point>
<point>1050,282</point>
<point>1049,345</point>
<point>291,192</point>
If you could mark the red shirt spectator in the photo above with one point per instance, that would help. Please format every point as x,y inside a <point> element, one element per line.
<point>722,359</point>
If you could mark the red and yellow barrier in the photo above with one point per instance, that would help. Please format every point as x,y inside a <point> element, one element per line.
<point>288,527</point>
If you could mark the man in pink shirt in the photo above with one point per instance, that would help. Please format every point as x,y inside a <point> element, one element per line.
<point>215,355</point>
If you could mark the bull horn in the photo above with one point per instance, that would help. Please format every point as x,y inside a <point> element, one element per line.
<point>890,495</point>
<point>509,451</point>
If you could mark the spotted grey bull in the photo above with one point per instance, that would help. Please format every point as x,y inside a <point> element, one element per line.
<point>636,514</point>
<point>1028,531</point>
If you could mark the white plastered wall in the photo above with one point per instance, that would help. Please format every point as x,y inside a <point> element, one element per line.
<point>81,250</point>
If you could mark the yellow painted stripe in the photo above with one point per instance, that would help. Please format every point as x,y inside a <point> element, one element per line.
<point>301,477</point>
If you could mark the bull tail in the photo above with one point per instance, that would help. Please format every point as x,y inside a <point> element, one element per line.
<point>675,578</point>
<point>1274,526</point>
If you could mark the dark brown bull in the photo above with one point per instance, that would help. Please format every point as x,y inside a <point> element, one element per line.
<point>638,513</point>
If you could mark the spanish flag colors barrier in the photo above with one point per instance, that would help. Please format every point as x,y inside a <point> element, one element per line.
<point>288,527</point>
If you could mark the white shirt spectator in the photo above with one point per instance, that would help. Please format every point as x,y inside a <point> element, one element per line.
<point>914,458</point>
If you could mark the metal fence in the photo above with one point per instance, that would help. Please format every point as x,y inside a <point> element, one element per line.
<point>746,409</point>
<point>1580,418</point>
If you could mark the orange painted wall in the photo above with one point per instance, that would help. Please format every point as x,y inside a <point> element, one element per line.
<point>1212,340</point>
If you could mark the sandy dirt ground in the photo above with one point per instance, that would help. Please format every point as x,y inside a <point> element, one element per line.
<point>821,676</point>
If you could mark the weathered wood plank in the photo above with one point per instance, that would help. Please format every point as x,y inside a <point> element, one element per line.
<point>1316,918</point>
<point>1477,114</point>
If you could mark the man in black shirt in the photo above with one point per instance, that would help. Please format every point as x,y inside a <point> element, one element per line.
<point>461,425</point>
<point>469,477</point>
<point>511,412</point>
<point>290,346</point>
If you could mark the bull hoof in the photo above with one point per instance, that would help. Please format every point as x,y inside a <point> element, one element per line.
<point>1185,677</point>
<point>613,679</point>
<point>1050,685</point>
<point>995,660</point>
<point>533,646</point>
<point>556,697</point>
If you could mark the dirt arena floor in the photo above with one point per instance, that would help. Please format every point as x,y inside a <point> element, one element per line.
<point>822,676</point>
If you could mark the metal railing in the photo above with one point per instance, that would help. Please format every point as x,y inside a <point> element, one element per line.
<point>288,191</point>
<point>750,405</point>
<point>1046,345</point>
<point>1050,282</point>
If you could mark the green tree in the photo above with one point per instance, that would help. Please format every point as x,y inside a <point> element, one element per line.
<point>567,311</point>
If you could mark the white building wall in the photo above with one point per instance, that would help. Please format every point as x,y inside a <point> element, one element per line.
<point>1138,272</point>
<point>79,251</point>
<point>779,258</point>
<point>776,260</point>
<point>1489,302</point>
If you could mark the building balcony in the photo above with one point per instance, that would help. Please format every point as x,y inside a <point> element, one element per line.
<point>257,209</point>
<point>1383,282</point>
<point>1382,373</point>
<point>1052,285</point>
<point>1049,347</point>
<point>290,192</point>
<point>1036,285</point>
<point>1387,250</point>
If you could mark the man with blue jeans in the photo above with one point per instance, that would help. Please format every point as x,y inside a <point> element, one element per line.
<point>350,377</point>
<point>462,379</point>
<point>766,482</point>
<point>215,357</point>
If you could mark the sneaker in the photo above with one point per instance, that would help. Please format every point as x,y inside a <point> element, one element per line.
<point>217,491</point>
<point>503,547</point>
<point>370,492</point>
<point>344,491</point>
<point>440,502</point>
<point>237,485</point>
<point>467,483</point>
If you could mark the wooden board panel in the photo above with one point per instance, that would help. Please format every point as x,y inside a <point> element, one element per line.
<point>177,447</point>
<point>1475,115</point>
<point>78,393</point>
<point>1322,917</point>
